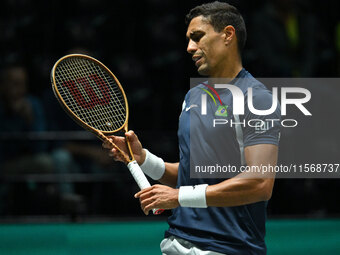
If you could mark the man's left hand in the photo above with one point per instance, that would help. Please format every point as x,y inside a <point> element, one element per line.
<point>158,196</point>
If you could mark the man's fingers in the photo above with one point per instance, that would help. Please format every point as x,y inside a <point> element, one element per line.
<point>147,199</point>
<point>144,203</point>
<point>115,139</point>
<point>116,155</point>
<point>150,207</point>
<point>112,152</point>
<point>107,144</point>
<point>131,136</point>
<point>138,194</point>
<point>147,205</point>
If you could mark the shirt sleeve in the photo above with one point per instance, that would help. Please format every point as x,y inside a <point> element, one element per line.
<point>261,129</point>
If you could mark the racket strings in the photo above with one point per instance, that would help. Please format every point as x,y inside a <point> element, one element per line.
<point>91,93</point>
<point>97,114</point>
<point>119,111</point>
<point>94,117</point>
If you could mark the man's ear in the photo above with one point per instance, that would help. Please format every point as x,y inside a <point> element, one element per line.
<point>228,34</point>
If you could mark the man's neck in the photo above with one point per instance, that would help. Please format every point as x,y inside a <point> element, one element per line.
<point>229,71</point>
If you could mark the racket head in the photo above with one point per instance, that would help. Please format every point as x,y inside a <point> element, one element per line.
<point>90,93</point>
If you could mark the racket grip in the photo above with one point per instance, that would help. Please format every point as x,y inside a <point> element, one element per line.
<point>141,180</point>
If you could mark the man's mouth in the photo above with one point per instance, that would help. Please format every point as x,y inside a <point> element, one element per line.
<point>197,60</point>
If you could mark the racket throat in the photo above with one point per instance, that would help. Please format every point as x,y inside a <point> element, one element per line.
<point>130,156</point>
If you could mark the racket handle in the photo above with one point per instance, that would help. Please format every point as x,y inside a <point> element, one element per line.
<point>141,180</point>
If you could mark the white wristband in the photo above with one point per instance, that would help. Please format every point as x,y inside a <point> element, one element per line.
<point>193,196</point>
<point>153,166</point>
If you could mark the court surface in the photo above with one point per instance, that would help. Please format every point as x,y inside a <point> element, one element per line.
<point>136,237</point>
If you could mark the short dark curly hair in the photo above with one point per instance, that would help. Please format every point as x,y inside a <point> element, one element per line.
<point>219,16</point>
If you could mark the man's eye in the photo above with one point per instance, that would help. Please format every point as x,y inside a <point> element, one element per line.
<point>196,37</point>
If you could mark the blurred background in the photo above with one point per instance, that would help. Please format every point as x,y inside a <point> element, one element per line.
<point>52,170</point>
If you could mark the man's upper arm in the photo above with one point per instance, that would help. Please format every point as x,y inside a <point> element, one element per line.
<point>261,155</point>
<point>261,143</point>
<point>263,129</point>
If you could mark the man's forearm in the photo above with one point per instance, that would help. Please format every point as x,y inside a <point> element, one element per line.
<point>239,191</point>
<point>169,177</point>
<point>247,187</point>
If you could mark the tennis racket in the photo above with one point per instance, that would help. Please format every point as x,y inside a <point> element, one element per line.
<point>90,93</point>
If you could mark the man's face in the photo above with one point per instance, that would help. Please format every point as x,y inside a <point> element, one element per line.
<point>15,84</point>
<point>207,46</point>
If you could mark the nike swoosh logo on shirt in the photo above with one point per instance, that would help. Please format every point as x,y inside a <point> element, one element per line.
<point>191,106</point>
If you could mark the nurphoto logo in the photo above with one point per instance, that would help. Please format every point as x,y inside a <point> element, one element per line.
<point>238,105</point>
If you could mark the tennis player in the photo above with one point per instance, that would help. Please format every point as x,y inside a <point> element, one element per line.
<point>213,215</point>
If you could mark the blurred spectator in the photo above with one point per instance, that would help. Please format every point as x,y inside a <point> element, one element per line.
<point>21,112</point>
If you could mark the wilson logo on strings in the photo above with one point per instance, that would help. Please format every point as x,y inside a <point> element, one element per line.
<point>91,91</point>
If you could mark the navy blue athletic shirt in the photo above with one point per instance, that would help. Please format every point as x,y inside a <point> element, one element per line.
<point>228,230</point>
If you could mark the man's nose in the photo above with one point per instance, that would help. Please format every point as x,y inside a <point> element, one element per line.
<point>192,47</point>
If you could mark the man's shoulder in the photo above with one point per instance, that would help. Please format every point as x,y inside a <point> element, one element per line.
<point>246,80</point>
<point>261,96</point>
